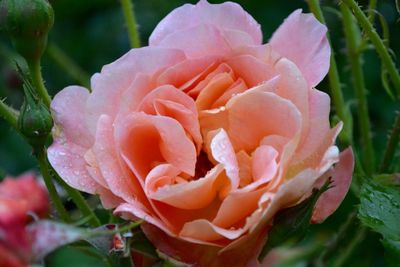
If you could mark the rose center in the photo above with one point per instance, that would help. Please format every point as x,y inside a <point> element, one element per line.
<point>203,165</point>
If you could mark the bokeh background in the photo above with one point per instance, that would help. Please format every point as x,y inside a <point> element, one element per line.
<point>92,33</point>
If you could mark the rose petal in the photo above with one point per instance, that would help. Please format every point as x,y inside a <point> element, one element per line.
<point>341,180</point>
<point>197,41</point>
<point>68,110</point>
<point>229,16</point>
<point>120,183</point>
<point>115,78</point>
<point>247,128</point>
<point>252,70</point>
<point>171,102</point>
<point>302,39</point>
<point>147,140</point>
<point>68,161</point>
<point>180,195</point>
<point>264,163</point>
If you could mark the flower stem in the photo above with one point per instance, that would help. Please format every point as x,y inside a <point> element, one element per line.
<point>68,65</point>
<point>9,114</point>
<point>80,202</point>
<point>334,81</point>
<point>353,39</point>
<point>43,164</point>
<point>376,41</point>
<point>371,10</point>
<point>131,24</point>
<point>36,74</point>
<point>349,248</point>
<point>394,140</point>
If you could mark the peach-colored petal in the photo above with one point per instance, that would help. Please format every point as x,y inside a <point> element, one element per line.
<point>314,160</point>
<point>252,70</point>
<point>247,128</point>
<point>197,41</point>
<point>245,168</point>
<point>319,106</point>
<point>115,78</point>
<point>68,161</point>
<point>135,211</point>
<point>68,110</point>
<point>171,102</point>
<point>222,151</point>
<point>207,76</point>
<point>147,140</point>
<point>182,73</point>
<point>108,199</point>
<point>204,230</point>
<point>341,180</point>
<point>105,152</point>
<point>292,86</point>
<point>302,39</point>
<point>236,207</point>
<point>93,168</point>
<point>180,195</point>
<point>203,255</point>
<point>239,86</point>
<point>264,163</point>
<point>134,95</point>
<point>288,194</point>
<point>278,142</point>
<point>229,16</point>
<point>213,90</point>
<point>160,176</point>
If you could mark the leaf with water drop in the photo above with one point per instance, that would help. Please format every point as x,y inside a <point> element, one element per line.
<point>380,210</point>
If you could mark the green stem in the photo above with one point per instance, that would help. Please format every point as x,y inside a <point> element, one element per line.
<point>371,10</point>
<point>80,202</point>
<point>394,140</point>
<point>116,230</point>
<point>342,257</point>
<point>43,164</point>
<point>334,81</point>
<point>337,240</point>
<point>9,114</point>
<point>376,41</point>
<point>352,35</point>
<point>129,14</point>
<point>36,75</point>
<point>68,65</point>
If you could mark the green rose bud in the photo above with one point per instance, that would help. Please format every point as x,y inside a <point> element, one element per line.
<point>35,121</point>
<point>27,22</point>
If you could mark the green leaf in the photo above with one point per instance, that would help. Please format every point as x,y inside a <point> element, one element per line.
<point>380,209</point>
<point>392,252</point>
<point>291,224</point>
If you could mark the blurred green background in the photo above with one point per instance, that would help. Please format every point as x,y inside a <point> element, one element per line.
<point>92,33</point>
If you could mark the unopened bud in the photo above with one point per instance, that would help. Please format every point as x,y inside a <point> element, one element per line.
<point>35,121</point>
<point>27,22</point>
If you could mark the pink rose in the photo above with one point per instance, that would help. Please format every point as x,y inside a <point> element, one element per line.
<point>206,133</point>
<point>18,197</point>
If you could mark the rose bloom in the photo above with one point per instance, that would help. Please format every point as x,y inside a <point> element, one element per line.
<point>19,197</point>
<point>206,133</point>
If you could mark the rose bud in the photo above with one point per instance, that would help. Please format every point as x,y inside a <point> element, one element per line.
<point>19,197</point>
<point>28,23</point>
<point>35,121</point>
